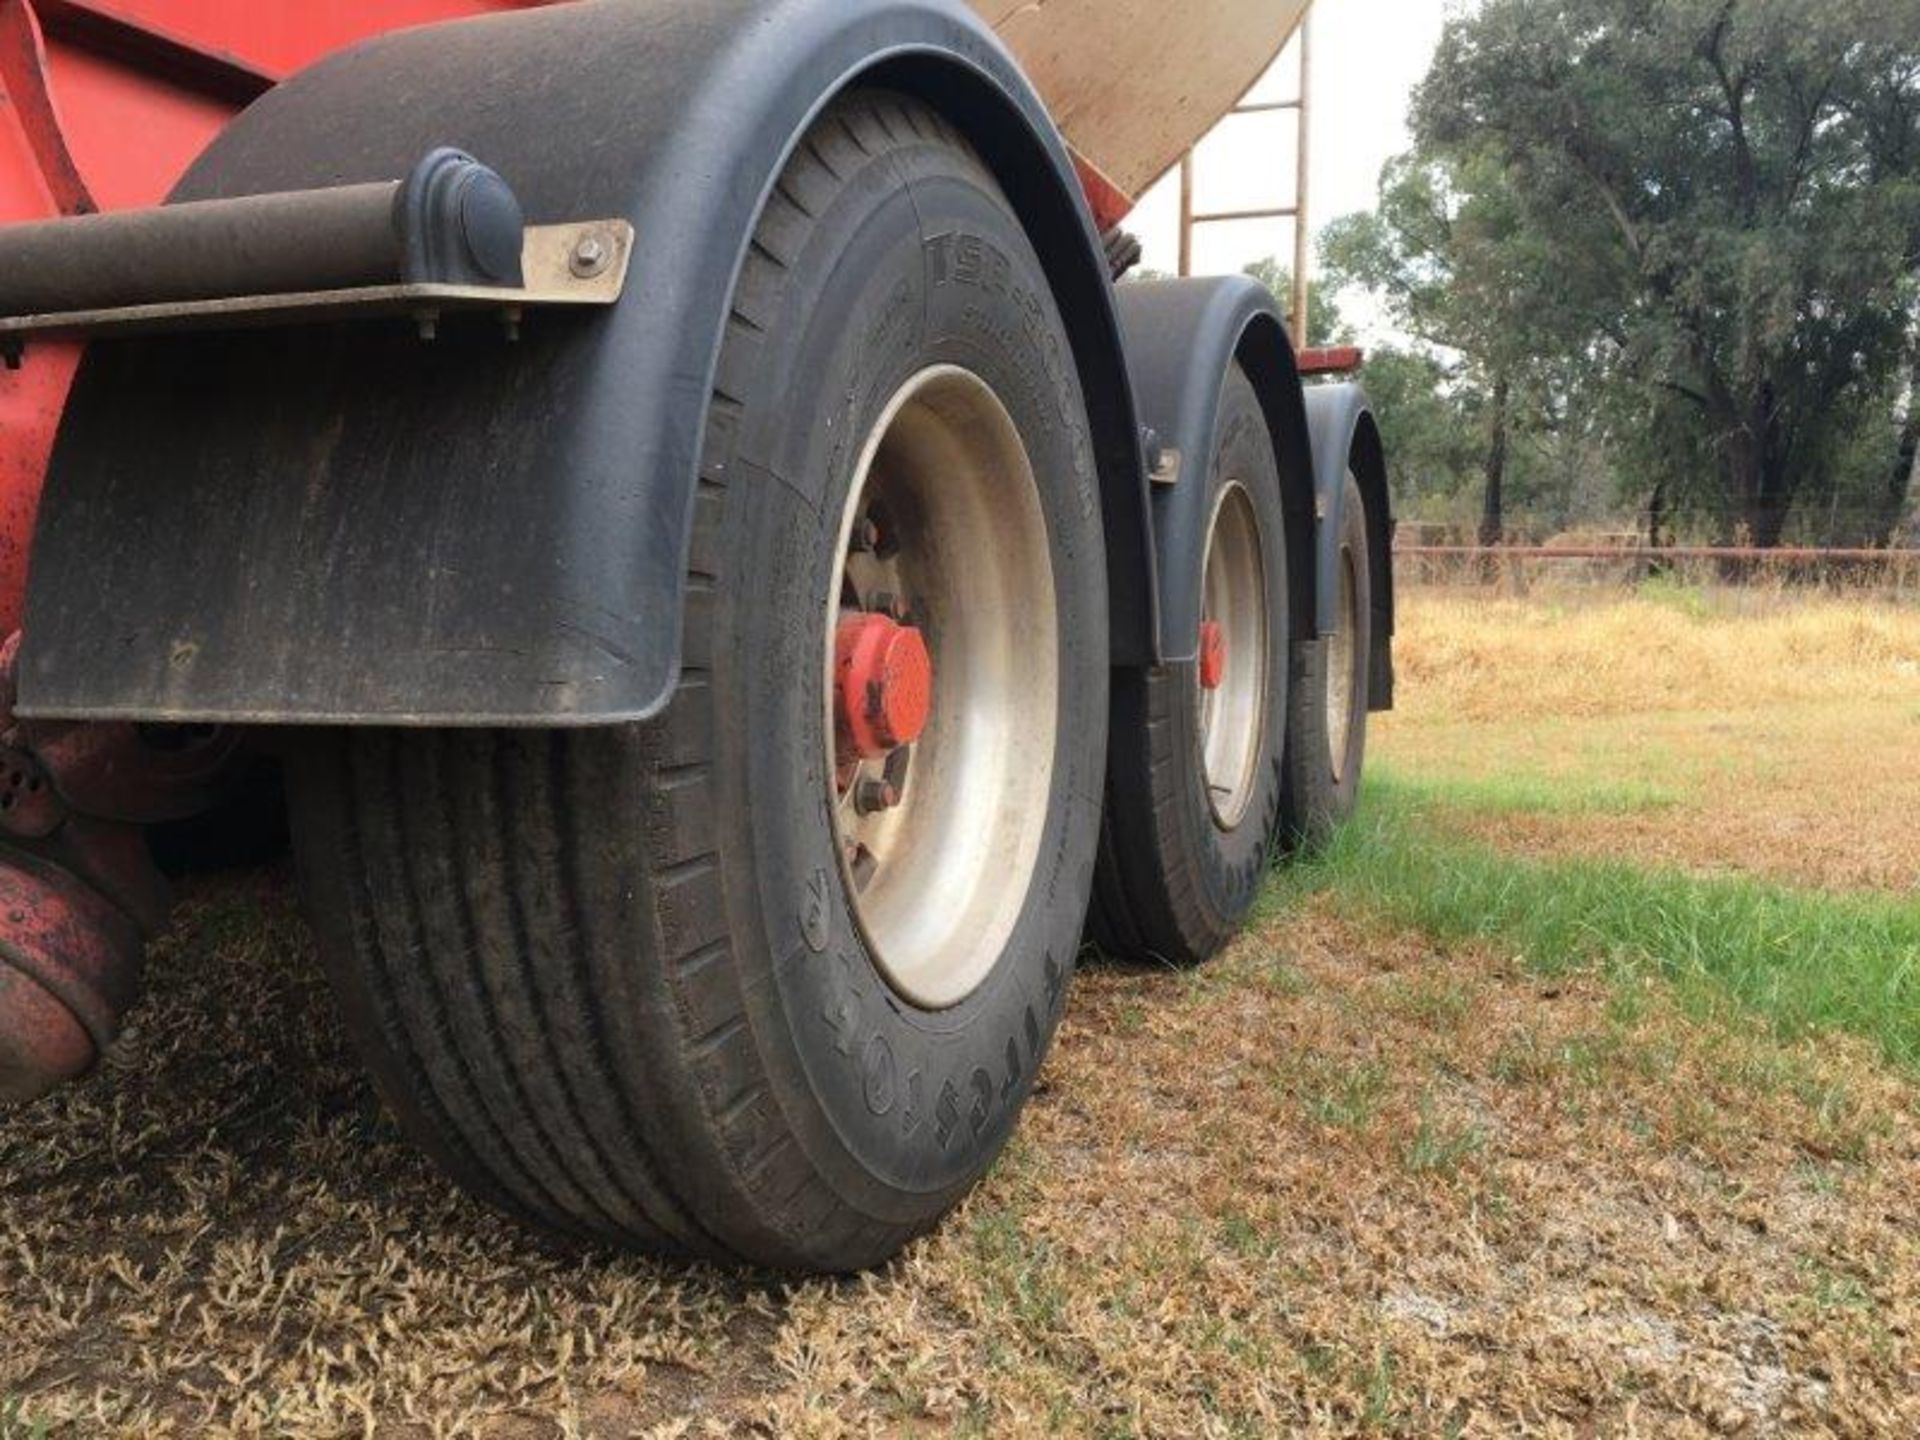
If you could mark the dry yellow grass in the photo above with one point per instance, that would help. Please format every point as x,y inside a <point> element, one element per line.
<point>1467,654</point>
<point>1780,732</point>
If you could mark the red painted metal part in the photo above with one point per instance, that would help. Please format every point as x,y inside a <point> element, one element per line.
<point>1213,655</point>
<point>1109,203</point>
<point>69,968</point>
<point>23,73</point>
<point>1332,360</point>
<point>78,895</point>
<point>883,687</point>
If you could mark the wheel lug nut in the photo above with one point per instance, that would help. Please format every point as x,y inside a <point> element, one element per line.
<point>873,796</point>
<point>866,537</point>
<point>891,605</point>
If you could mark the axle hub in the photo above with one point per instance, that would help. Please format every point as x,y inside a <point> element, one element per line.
<point>883,686</point>
<point>1213,655</point>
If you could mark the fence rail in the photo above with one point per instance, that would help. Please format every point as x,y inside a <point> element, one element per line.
<point>1801,555</point>
<point>1894,571</point>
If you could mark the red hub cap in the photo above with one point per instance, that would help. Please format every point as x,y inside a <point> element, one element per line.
<point>883,687</point>
<point>1213,655</point>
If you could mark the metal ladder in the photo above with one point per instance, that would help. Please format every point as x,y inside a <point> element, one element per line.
<point>1296,212</point>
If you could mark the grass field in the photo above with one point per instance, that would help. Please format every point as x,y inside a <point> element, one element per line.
<point>1575,1089</point>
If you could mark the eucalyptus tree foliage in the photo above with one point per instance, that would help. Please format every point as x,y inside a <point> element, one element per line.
<point>1701,217</point>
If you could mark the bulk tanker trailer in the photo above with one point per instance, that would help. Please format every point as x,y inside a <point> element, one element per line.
<point>740,596</point>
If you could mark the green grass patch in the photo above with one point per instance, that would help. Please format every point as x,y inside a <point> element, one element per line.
<point>1681,596</point>
<point>1438,1147</point>
<point>16,1424</point>
<point>1806,961</point>
<point>1344,1096</point>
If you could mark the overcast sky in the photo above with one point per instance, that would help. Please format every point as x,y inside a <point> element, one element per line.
<point>1368,56</point>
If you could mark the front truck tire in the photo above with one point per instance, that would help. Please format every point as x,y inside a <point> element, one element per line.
<point>736,983</point>
<point>1194,775</point>
<point>1327,732</point>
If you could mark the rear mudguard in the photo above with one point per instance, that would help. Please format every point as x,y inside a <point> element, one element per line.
<point>1182,337</point>
<point>1346,440</point>
<point>348,524</point>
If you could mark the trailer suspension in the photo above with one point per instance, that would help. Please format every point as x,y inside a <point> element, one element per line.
<point>79,893</point>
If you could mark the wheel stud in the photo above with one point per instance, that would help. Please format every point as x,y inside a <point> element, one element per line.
<point>890,605</point>
<point>865,538</point>
<point>873,796</point>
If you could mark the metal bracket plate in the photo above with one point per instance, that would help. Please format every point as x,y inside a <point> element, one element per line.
<point>583,264</point>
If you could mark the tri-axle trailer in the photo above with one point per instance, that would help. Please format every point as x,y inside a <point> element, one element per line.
<point>737,591</point>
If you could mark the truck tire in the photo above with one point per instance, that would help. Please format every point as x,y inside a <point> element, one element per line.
<point>761,980</point>
<point>1194,766</point>
<point>1327,732</point>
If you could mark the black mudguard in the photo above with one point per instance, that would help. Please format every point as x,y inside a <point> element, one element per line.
<point>346,524</point>
<point>1346,438</point>
<point>1182,337</point>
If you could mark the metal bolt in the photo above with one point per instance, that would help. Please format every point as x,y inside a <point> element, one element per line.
<point>866,537</point>
<point>874,796</point>
<point>898,764</point>
<point>591,256</point>
<point>892,606</point>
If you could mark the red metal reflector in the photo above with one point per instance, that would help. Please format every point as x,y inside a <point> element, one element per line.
<point>883,686</point>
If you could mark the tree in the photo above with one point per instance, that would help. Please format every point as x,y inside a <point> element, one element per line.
<point>1733,187</point>
<point>1451,254</point>
<point>1427,424</point>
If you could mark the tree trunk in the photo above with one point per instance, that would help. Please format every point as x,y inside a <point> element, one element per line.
<point>1759,488</point>
<point>1900,480</point>
<point>1493,518</point>
<point>1766,518</point>
<point>1658,537</point>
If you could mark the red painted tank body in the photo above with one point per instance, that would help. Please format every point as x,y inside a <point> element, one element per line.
<point>103,105</point>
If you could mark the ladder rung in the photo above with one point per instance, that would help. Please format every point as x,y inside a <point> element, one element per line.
<point>1216,217</point>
